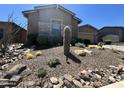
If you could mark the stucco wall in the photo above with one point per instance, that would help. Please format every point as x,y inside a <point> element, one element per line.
<point>75,28</point>
<point>33,23</point>
<point>47,15</point>
<point>112,31</point>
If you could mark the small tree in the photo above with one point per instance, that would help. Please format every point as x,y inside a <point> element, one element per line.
<point>8,36</point>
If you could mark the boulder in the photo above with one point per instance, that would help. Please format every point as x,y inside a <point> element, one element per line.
<point>77,83</point>
<point>68,84</point>
<point>48,85</point>
<point>97,84</point>
<point>60,84</point>
<point>68,77</point>
<point>54,80</point>
<point>7,83</point>
<point>87,51</point>
<point>15,70</point>
<point>111,79</point>
<point>16,78</point>
<point>82,81</point>
<point>98,77</point>
<point>80,52</point>
<point>30,84</point>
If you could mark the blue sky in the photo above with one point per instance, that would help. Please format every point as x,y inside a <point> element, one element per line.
<point>96,15</point>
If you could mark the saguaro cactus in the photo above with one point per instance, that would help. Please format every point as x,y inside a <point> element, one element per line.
<point>67,41</point>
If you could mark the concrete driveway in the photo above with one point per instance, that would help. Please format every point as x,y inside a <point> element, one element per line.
<point>118,47</point>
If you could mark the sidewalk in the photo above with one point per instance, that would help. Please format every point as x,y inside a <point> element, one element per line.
<point>118,47</point>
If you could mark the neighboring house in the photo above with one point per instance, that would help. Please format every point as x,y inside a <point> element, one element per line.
<point>19,37</point>
<point>116,34</point>
<point>88,33</point>
<point>50,20</point>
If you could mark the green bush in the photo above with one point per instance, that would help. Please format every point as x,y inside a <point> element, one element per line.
<point>121,57</point>
<point>42,72</point>
<point>108,42</point>
<point>76,40</point>
<point>80,45</point>
<point>43,39</point>
<point>54,62</point>
<point>100,44</point>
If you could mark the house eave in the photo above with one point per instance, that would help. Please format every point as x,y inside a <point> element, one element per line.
<point>54,6</point>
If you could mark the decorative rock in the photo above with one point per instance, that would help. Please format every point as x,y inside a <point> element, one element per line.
<point>68,84</point>
<point>84,75</point>
<point>122,76</point>
<point>118,78</point>
<point>82,81</point>
<point>97,84</point>
<point>54,80</point>
<point>84,72</point>
<point>47,85</point>
<point>111,79</point>
<point>26,72</point>
<point>6,82</point>
<point>16,79</point>
<point>87,51</point>
<point>60,84</point>
<point>4,67</point>
<point>30,84</point>
<point>80,52</point>
<point>17,69</point>
<point>68,77</point>
<point>77,83</point>
<point>97,76</point>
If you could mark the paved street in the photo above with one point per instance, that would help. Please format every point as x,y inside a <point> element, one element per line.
<point>118,47</point>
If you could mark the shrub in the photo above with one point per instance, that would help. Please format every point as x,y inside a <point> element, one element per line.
<point>41,72</point>
<point>100,44</point>
<point>108,42</point>
<point>92,46</point>
<point>122,57</point>
<point>29,56</point>
<point>54,62</point>
<point>39,53</point>
<point>76,40</point>
<point>31,39</point>
<point>115,50</point>
<point>80,45</point>
<point>42,39</point>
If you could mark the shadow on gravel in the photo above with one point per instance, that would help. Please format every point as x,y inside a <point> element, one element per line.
<point>74,58</point>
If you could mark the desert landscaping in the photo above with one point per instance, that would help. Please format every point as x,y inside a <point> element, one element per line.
<point>55,52</point>
<point>94,67</point>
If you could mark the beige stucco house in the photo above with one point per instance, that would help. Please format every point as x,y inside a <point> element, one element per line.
<point>88,32</point>
<point>50,20</point>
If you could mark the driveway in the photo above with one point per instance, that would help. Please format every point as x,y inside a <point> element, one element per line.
<point>118,47</point>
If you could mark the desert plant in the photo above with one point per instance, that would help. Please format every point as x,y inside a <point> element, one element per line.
<point>41,72</point>
<point>92,46</point>
<point>54,62</point>
<point>43,40</point>
<point>122,57</point>
<point>29,55</point>
<point>38,53</point>
<point>100,44</point>
<point>67,41</point>
<point>31,39</point>
<point>80,45</point>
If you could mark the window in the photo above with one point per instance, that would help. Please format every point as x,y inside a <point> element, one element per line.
<point>56,28</point>
<point>1,33</point>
